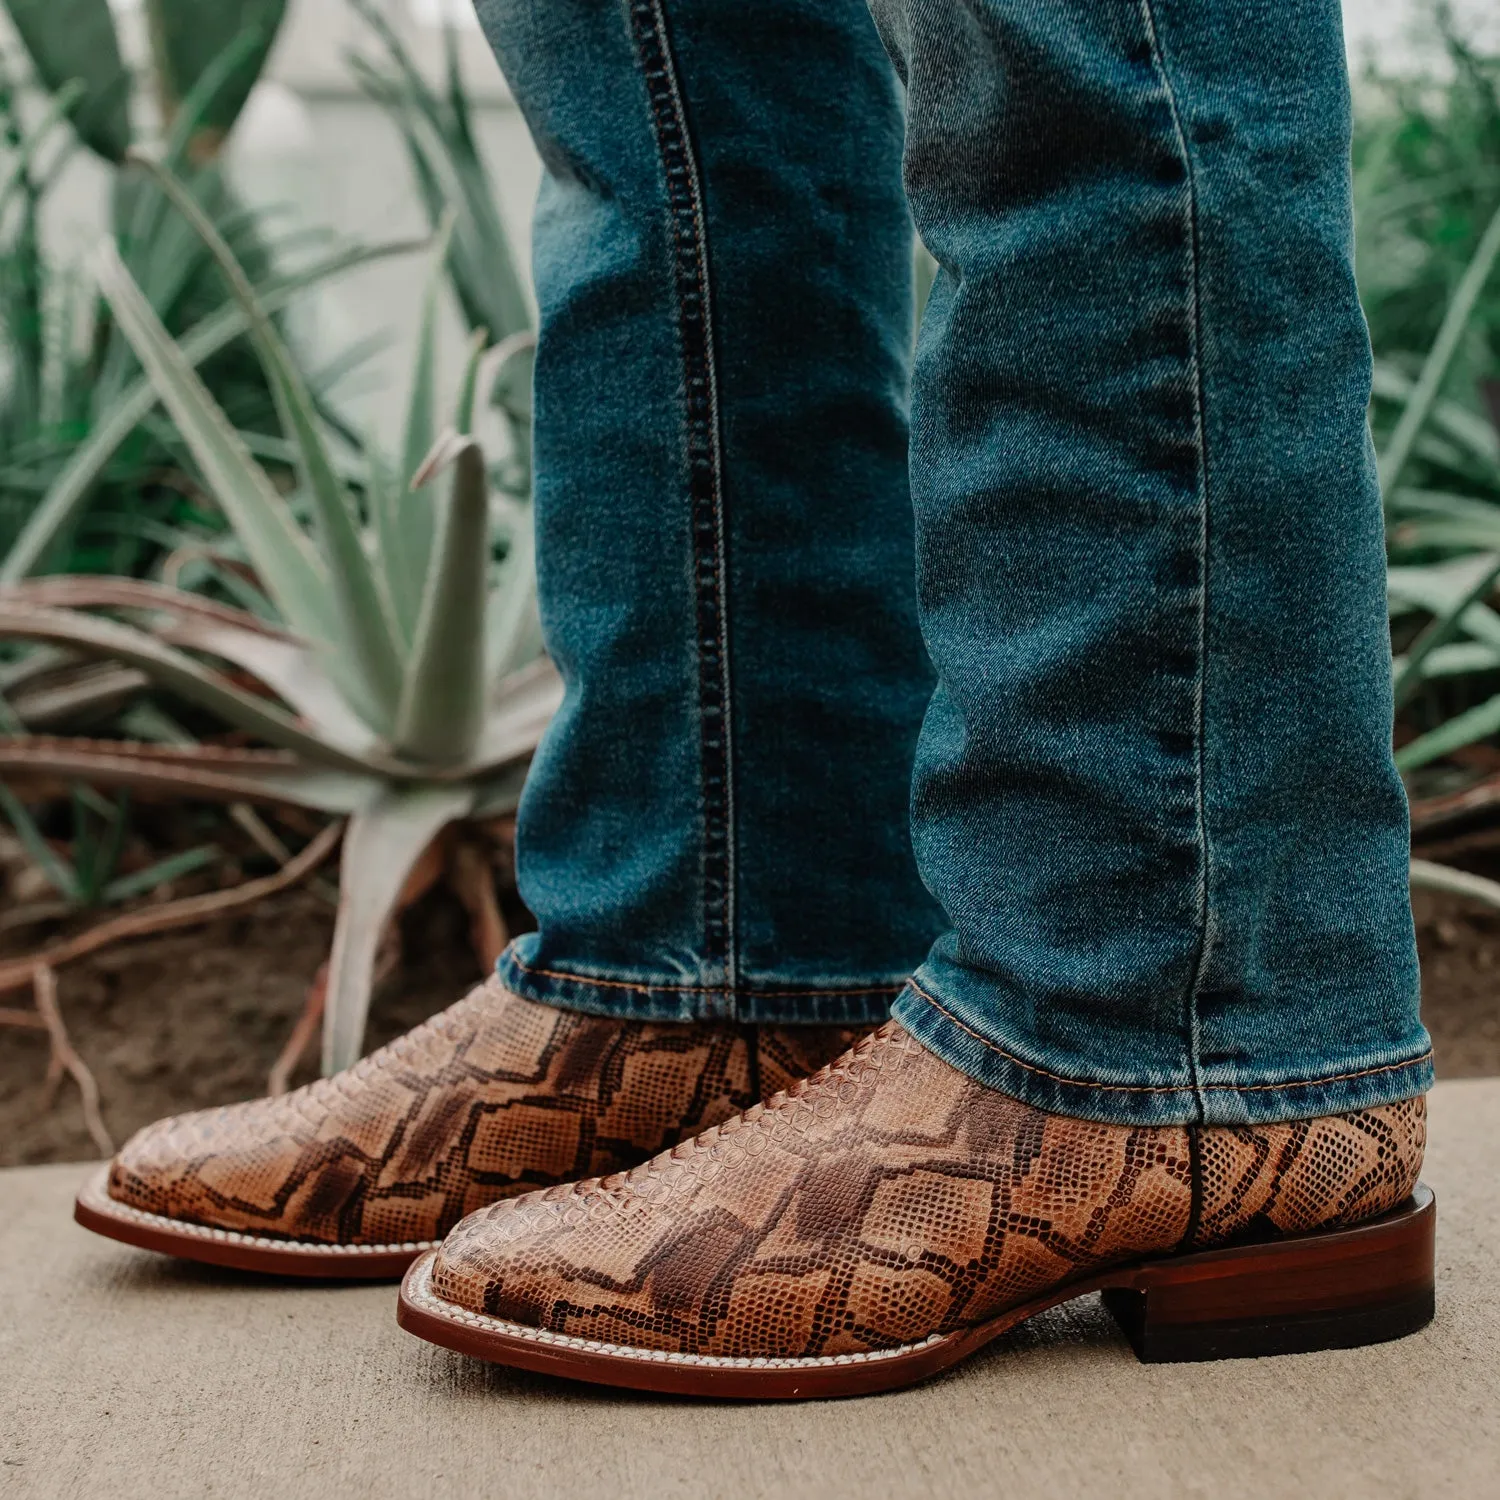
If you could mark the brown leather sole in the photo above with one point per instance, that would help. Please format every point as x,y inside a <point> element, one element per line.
<point>1332,1290</point>
<point>96,1210</point>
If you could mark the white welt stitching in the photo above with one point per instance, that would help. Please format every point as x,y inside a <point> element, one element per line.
<point>418,1291</point>
<point>97,1198</point>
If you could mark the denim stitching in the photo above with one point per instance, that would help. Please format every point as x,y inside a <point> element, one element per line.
<point>1200,728</point>
<point>705,475</point>
<point>698,989</point>
<point>1163,1088</point>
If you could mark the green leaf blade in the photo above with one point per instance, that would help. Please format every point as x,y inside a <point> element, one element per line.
<point>382,845</point>
<point>442,701</point>
<point>78,41</point>
<point>70,490</point>
<point>289,568</point>
<point>189,37</point>
<point>367,630</point>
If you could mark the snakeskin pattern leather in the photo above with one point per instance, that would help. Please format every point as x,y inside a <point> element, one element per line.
<point>891,1198</point>
<point>495,1096</point>
<point>1257,1181</point>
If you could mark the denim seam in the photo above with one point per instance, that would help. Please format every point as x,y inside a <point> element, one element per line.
<point>1163,1088</point>
<point>701,432</point>
<point>1204,952</point>
<point>700,989</point>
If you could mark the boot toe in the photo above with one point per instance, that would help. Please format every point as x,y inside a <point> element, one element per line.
<point>501,1261</point>
<point>161,1169</point>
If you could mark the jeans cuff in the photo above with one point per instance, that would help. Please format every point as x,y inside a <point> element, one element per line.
<point>634,998</point>
<point>1001,1065</point>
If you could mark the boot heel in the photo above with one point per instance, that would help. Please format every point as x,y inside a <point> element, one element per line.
<point>1333,1290</point>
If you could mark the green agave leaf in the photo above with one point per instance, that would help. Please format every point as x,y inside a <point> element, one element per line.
<point>195,771</point>
<point>468,391</point>
<point>1477,723</point>
<point>191,621</point>
<point>1429,384</point>
<point>189,679</point>
<point>1443,627</point>
<point>442,702</point>
<point>288,567</point>
<point>383,843</point>
<point>499,795</point>
<point>60,875</point>
<point>91,692</point>
<point>292,671</point>
<point>77,40</point>
<point>513,626</point>
<point>514,371</point>
<point>457,91</point>
<point>366,630</point>
<point>173,867</point>
<point>101,591</point>
<point>483,262</point>
<point>60,508</point>
<point>1405,502</point>
<point>408,561</point>
<point>450,173</point>
<point>1435,585</point>
<point>525,704</point>
<point>188,36</point>
<point>1470,431</point>
<point>165,258</point>
<point>1459,661</point>
<point>384,496</point>
<point>421,429</point>
<point>510,387</point>
<point>1453,536</point>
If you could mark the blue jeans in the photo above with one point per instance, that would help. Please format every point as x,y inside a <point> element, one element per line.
<point>1150,865</point>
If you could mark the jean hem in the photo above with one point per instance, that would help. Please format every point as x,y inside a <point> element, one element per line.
<point>1211,1100</point>
<point>636,999</point>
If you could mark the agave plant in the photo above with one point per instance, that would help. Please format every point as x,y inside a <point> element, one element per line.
<point>72,40</point>
<point>1447,525</point>
<point>67,366</point>
<point>392,671</point>
<point>1427,197</point>
<point>437,131</point>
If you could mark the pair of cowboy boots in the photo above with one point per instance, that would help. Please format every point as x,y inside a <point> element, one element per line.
<point>773,1212</point>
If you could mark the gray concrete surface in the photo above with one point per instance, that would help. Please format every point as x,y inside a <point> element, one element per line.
<point>126,1376</point>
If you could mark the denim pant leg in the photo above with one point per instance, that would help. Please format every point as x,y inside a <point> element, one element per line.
<point>1154,790</point>
<point>716,824</point>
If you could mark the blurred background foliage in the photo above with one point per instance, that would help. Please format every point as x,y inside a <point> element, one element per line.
<point>212,588</point>
<point>1427,211</point>
<point>67,368</point>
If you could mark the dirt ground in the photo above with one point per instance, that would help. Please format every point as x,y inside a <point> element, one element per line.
<point>196,1018</point>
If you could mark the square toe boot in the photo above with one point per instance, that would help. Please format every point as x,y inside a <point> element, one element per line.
<point>358,1174</point>
<point>883,1219</point>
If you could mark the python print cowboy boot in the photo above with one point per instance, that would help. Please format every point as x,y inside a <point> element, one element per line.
<point>882,1220</point>
<point>357,1174</point>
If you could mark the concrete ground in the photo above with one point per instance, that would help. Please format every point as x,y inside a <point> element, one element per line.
<point>127,1376</point>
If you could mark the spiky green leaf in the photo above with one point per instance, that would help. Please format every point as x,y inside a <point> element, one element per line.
<point>70,491</point>
<point>367,630</point>
<point>188,678</point>
<point>77,41</point>
<point>409,557</point>
<point>442,703</point>
<point>188,37</point>
<point>383,843</point>
<point>289,569</point>
<point>1398,450</point>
